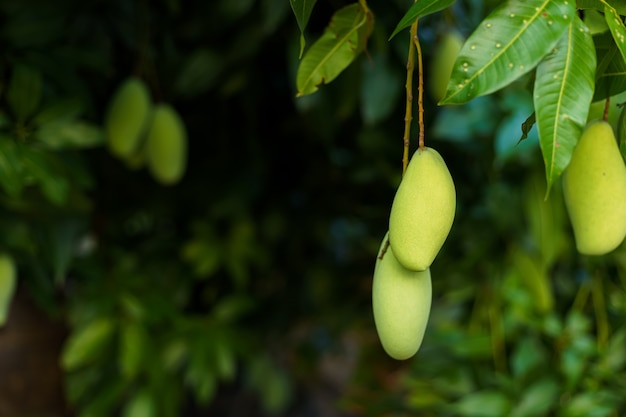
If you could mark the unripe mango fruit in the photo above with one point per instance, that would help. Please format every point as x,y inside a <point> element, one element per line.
<point>594,190</point>
<point>401,301</point>
<point>166,145</point>
<point>8,282</point>
<point>422,211</point>
<point>442,63</point>
<point>127,117</point>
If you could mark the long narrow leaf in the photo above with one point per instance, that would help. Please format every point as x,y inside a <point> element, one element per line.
<point>563,91</point>
<point>419,9</point>
<point>618,30</point>
<point>611,70</point>
<point>302,10</point>
<point>509,42</point>
<point>342,41</point>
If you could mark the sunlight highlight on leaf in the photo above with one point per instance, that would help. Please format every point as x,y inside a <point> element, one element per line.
<point>508,43</point>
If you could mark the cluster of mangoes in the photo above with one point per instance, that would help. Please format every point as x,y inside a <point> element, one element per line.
<point>139,132</point>
<point>594,190</point>
<point>421,217</point>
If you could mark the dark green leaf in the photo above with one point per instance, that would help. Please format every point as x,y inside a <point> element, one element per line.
<point>11,177</point>
<point>24,91</point>
<point>562,95</point>
<point>420,9</point>
<point>302,10</point>
<point>527,126</point>
<point>342,41</point>
<point>509,43</point>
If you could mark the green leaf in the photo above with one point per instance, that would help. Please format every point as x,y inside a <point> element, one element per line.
<point>24,91</point>
<point>563,92</point>
<point>86,343</point>
<point>142,404</point>
<point>132,349</point>
<point>420,9</point>
<point>483,404</point>
<point>65,134</point>
<point>11,178</point>
<point>8,283</point>
<point>509,43</point>
<point>302,10</point>
<point>538,399</point>
<point>611,72</point>
<point>618,30</point>
<point>591,404</point>
<point>342,41</point>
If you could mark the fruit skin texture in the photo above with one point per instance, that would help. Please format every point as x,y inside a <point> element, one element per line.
<point>127,117</point>
<point>8,275</point>
<point>422,211</point>
<point>401,301</point>
<point>594,189</point>
<point>442,63</point>
<point>166,145</point>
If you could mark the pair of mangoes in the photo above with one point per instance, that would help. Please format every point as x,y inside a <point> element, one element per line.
<point>138,131</point>
<point>594,190</point>
<point>421,217</point>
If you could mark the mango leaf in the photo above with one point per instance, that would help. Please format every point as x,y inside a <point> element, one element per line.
<point>24,91</point>
<point>142,404</point>
<point>302,10</point>
<point>599,5</point>
<point>86,343</point>
<point>563,92</point>
<point>611,71</point>
<point>419,9</point>
<point>508,43</point>
<point>483,404</point>
<point>133,342</point>
<point>342,41</point>
<point>11,178</point>
<point>538,399</point>
<point>618,30</point>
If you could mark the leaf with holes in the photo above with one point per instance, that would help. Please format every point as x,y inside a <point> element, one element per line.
<point>563,92</point>
<point>420,9</point>
<point>342,41</point>
<point>302,10</point>
<point>509,43</point>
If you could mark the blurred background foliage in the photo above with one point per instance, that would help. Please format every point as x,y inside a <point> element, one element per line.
<point>245,290</point>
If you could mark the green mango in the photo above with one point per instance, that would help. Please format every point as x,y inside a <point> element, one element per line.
<point>127,117</point>
<point>401,301</point>
<point>166,145</point>
<point>594,190</point>
<point>442,63</point>
<point>8,283</point>
<point>422,211</point>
